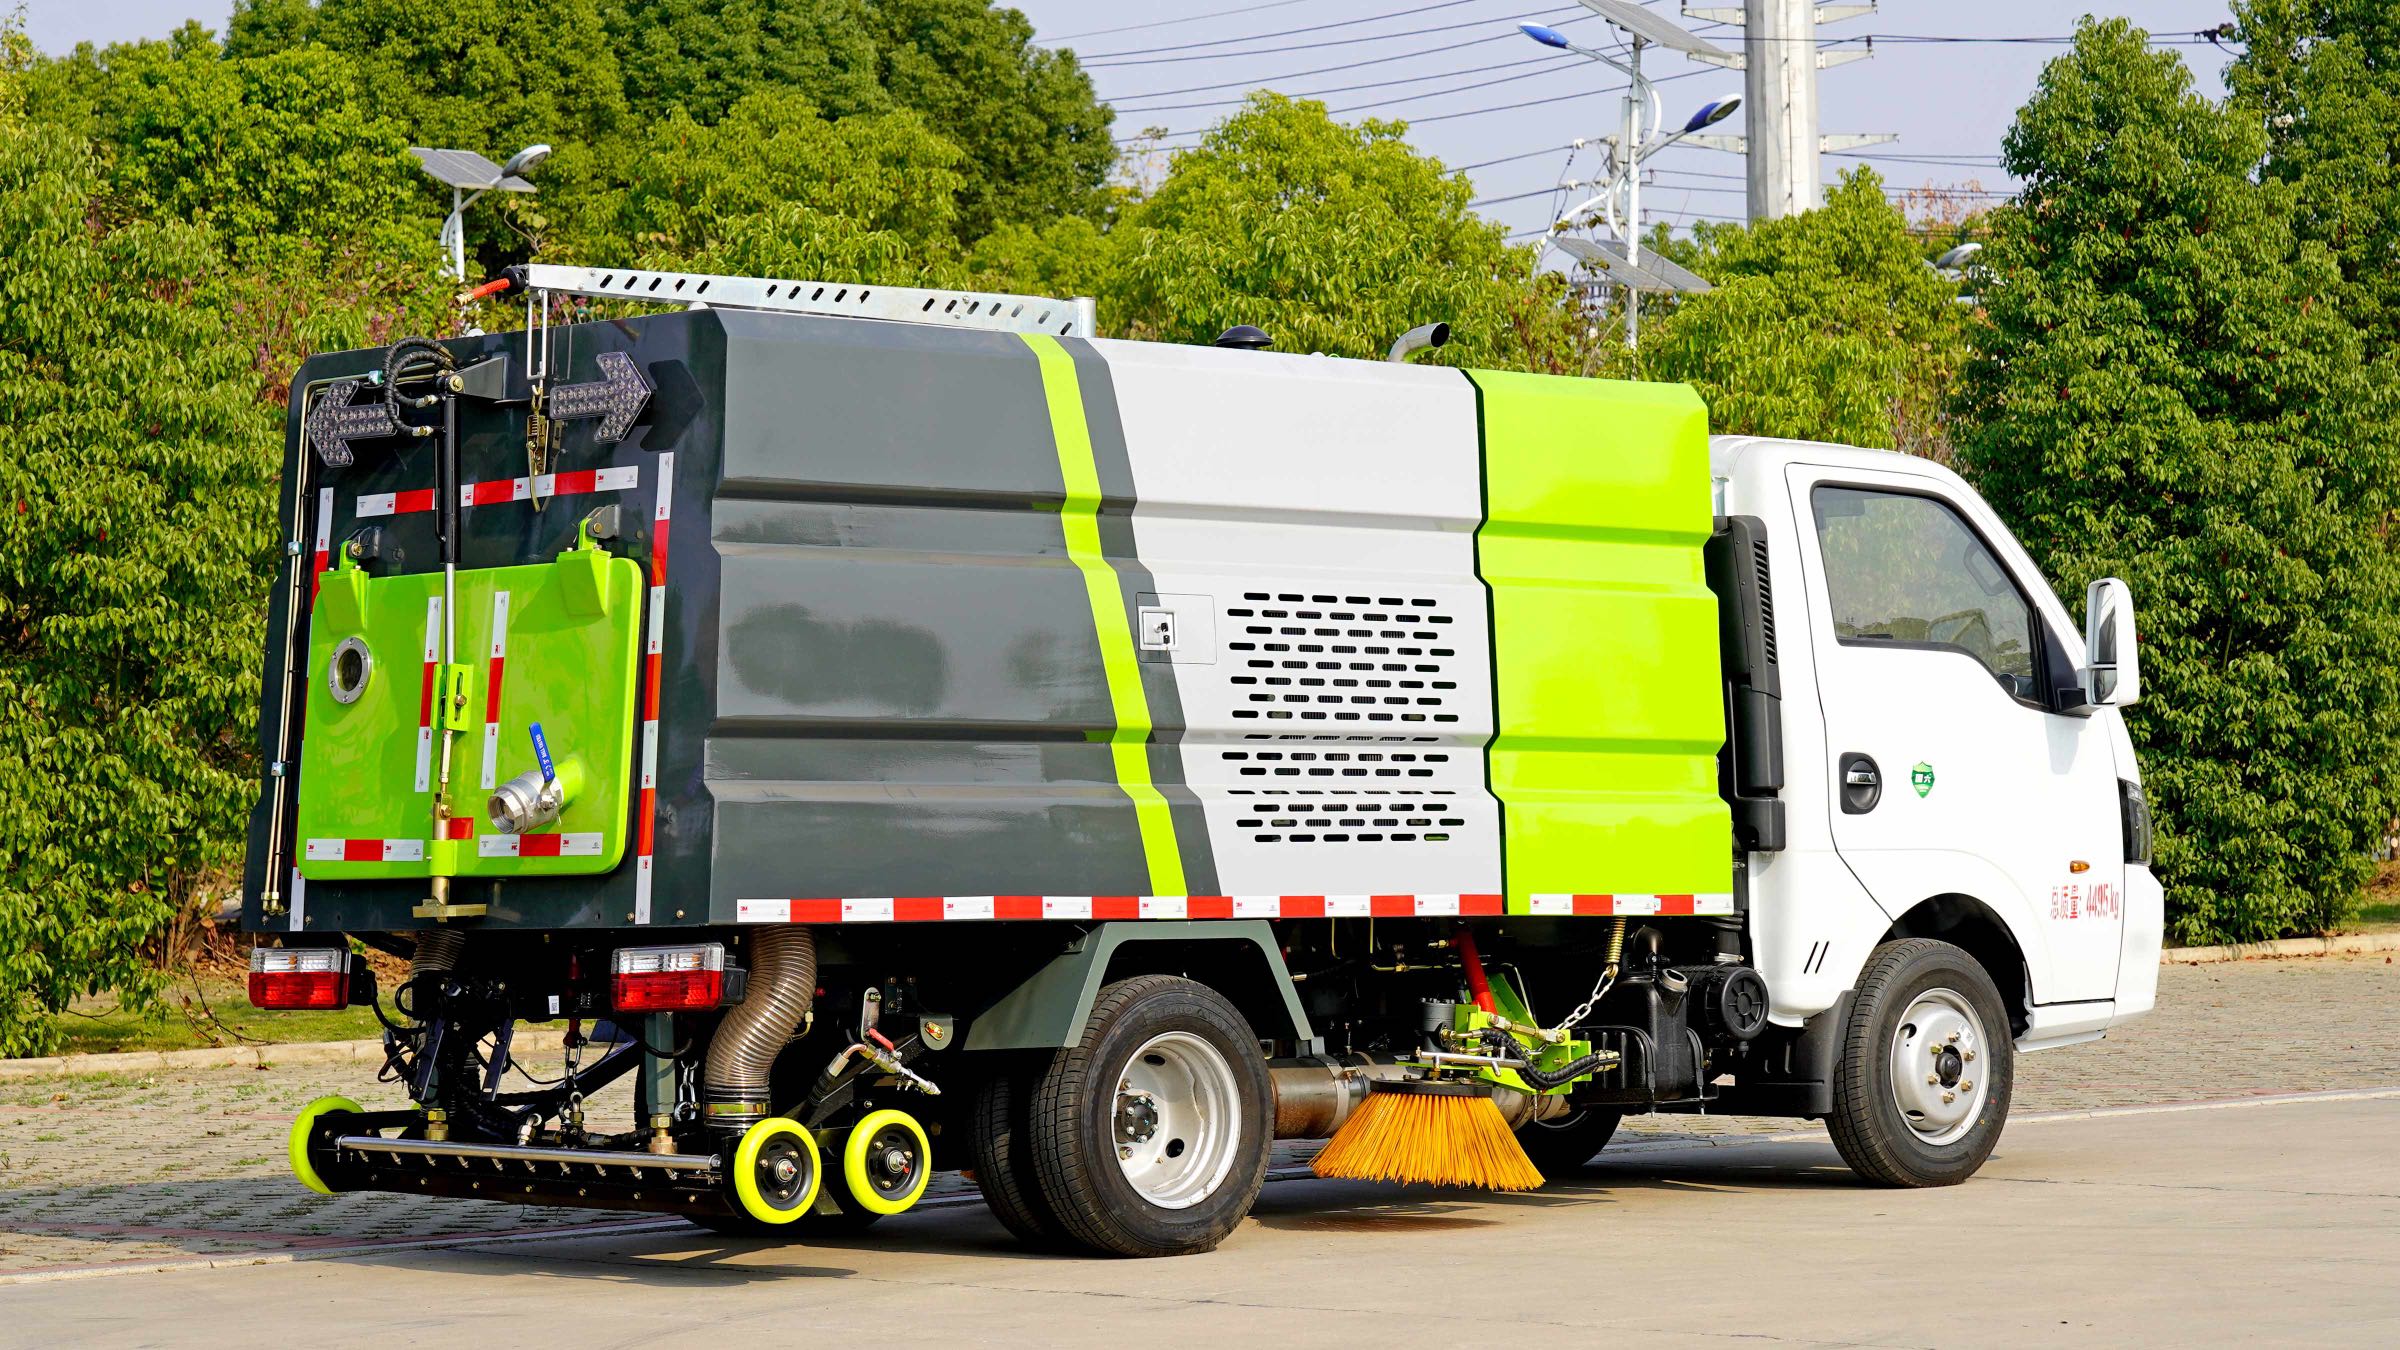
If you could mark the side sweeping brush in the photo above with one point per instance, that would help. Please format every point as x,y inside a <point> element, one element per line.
<point>1443,1134</point>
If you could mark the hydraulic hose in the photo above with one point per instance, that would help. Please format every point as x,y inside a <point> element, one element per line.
<point>783,986</point>
<point>1544,1080</point>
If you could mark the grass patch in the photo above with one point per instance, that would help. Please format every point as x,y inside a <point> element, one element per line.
<point>211,1011</point>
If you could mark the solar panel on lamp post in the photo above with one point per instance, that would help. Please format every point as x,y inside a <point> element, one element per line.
<point>1634,144</point>
<point>468,176</point>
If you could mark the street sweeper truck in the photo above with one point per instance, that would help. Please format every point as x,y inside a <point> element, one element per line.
<point>889,731</point>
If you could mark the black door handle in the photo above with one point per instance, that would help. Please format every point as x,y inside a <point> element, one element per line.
<point>1862,784</point>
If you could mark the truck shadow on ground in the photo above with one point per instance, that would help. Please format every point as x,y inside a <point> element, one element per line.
<point>672,1256</point>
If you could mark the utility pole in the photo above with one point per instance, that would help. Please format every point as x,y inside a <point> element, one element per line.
<point>1779,62</point>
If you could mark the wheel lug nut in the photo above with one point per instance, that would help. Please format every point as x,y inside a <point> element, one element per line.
<point>1933,1080</point>
<point>1967,1086</point>
<point>1949,1096</point>
<point>1967,1055</point>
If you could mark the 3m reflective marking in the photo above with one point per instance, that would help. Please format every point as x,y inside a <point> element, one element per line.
<point>1603,905</point>
<point>364,850</point>
<point>1079,513</point>
<point>433,670</point>
<point>324,552</point>
<point>538,845</point>
<point>491,696</point>
<point>1099,908</point>
<point>646,809</point>
<point>406,503</point>
<point>571,483</point>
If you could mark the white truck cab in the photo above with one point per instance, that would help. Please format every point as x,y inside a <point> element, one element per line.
<point>1956,762</point>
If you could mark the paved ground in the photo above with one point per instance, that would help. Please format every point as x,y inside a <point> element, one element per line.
<point>2202,1227</point>
<point>134,1172</point>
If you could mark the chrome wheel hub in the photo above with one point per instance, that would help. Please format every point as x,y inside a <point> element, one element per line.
<point>1937,1066</point>
<point>1177,1120</point>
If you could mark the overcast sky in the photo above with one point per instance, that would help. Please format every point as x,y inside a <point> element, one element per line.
<point>1950,101</point>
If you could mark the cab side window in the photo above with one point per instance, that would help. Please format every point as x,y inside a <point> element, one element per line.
<point>1907,571</point>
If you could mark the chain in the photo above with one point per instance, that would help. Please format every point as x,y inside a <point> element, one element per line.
<point>1608,977</point>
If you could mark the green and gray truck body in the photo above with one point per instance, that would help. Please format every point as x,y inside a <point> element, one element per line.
<point>1002,668</point>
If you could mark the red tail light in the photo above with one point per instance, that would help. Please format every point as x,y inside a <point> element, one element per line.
<point>299,977</point>
<point>668,979</point>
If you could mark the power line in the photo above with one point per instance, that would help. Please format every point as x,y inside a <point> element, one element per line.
<point>1442,117</point>
<point>1118,104</point>
<point>1286,32</point>
<point>1169,23</point>
<point>1350,65</point>
<point>1329,42</point>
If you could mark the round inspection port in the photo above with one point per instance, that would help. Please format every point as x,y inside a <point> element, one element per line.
<point>352,666</point>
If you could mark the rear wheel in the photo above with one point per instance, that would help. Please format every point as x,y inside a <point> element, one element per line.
<point>1002,1141</point>
<point>1927,1067</point>
<point>1151,1134</point>
<point>1565,1143</point>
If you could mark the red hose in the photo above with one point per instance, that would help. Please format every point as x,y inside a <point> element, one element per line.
<point>1477,985</point>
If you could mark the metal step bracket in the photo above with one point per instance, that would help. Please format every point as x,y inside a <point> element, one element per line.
<point>988,310</point>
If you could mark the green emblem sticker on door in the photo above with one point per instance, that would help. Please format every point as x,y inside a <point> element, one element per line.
<point>1921,777</point>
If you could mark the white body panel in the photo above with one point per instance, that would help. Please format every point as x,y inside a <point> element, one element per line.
<point>1336,682</point>
<point>2017,795</point>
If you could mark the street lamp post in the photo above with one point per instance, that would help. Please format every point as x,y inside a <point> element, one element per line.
<point>468,176</point>
<point>1635,144</point>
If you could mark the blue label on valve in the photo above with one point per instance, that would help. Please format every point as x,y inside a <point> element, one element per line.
<point>541,752</point>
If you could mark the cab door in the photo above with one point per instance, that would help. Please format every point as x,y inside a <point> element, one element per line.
<point>1951,774</point>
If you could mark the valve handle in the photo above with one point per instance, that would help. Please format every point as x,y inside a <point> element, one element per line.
<point>541,754</point>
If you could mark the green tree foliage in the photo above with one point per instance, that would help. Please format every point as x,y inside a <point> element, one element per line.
<point>2324,76</point>
<point>136,516</point>
<point>259,147</point>
<point>773,168</point>
<point>1024,116</point>
<point>1333,238</point>
<point>2167,392</point>
<point>704,56</point>
<point>1826,325</point>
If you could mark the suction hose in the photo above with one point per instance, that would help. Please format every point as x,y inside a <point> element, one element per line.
<point>438,949</point>
<point>783,986</point>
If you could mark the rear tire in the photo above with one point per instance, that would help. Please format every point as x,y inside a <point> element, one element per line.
<point>1927,1068</point>
<point>1151,1134</point>
<point>1565,1144</point>
<point>1002,1140</point>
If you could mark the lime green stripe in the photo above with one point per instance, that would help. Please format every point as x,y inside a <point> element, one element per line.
<point>1128,745</point>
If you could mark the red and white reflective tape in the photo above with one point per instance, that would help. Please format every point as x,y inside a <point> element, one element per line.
<point>433,672</point>
<point>365,850</point>
<point>646,809</point>
<point>491,696</point>
<point>498,491</point>
<point>572,483</point>
<point>324,557</point>
<point>394,503</point>
<point>1604,905</point>
<point>929,908</point>
<point>538,845</point>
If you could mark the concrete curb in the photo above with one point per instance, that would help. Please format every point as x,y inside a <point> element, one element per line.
<point>2355,944</point>
<point>237,1056</point>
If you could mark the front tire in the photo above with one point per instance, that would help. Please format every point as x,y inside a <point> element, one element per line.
<point>1151,1134</point>
<point>1927,1067</point>
<point>1566,1143</point>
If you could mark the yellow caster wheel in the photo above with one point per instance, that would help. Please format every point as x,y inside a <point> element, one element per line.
<point>305,1129</point>
<point>886,1163</point>
<point>776,1172</point>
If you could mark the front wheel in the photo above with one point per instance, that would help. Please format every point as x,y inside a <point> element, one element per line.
<point>1565,1143</point>
<point>1927,1067</point>
<point>1151,1134</point>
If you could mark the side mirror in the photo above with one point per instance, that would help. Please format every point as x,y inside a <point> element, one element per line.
<point>2110,646</point>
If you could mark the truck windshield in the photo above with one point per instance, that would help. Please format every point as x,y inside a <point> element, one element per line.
<point>1906,570</point>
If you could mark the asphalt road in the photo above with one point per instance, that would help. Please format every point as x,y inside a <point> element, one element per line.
<point>2272,1218</point>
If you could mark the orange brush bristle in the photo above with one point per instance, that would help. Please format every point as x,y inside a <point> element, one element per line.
<point>1441,1134</point>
